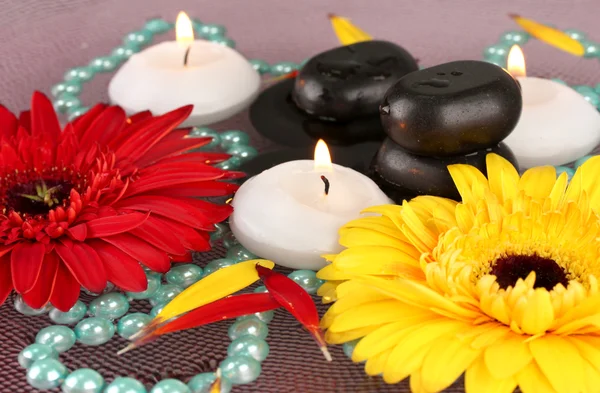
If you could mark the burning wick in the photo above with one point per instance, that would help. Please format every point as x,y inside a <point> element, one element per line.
<point>326,181</point>
<point>185,57</point>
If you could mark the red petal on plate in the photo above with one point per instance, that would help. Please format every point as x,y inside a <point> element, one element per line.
<point>8,122</point>
<point>104,127</point>
<point>296,300</point>
<point>108,226</point>
<point>121,269</point>
<point>44,122</point>
<point>85,264</point>
<point>81,124</point>
<point>147,254</point>
<point>78,232</point>
<point>6,285</point>
<point>170,148</point>
<point>40,294</point>
<point>66,289</point>
<point>153,232</point>
<point>199,189</point>
<point>25,120</point>
<point>26,265</point>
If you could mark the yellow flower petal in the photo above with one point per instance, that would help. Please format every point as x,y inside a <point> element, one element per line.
<point>503,178</point>
<point>464,176</point>
<point>361,257</point>
<point>376,364</point>
<point>352,237</point>
<point>560,362</point>
<point>532,380</point>
<point>590,171</point>
<point>592,377</point>
<point>379,224</point>
<point>479,380</point>
<point>507,356</point>
<point>329,272</point>
<point>374,313</point>
<point>589,348</point>
<point>539,313</point>
<point>346,32</point>
<point>538,182</point>
<point>349,335</point>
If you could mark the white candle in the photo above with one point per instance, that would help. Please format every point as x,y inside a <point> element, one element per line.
<point>557,125</point>
<point>217,80</point>
<point>284,214</point>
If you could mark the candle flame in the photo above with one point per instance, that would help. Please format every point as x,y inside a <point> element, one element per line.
<point>516,62</point>
<point>184,32</point>
<point>322,157</point>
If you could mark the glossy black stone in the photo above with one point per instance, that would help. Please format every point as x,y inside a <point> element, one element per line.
<point>357,157</point>
<point>348,82</point>
<point>403,175</point>
<point>453,108</point>
<point>275,116</point>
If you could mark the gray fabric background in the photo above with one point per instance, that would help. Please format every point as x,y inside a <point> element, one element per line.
<point>40,39</point>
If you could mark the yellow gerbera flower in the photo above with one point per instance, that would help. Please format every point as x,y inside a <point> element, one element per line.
<point>502,286</point>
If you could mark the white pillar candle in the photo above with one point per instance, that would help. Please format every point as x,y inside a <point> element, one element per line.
<point>557,125</point>
<point>284,215</point>
<point>217,80</point>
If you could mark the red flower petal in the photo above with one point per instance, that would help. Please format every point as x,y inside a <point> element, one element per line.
<point>8,123</point>
<point>66,290</point>
<point>81,124</point>
<point>198,189</point>
<point>25,120</point>
<point>104,127</point>
<point>85,264</point>
<point>6,285</point>
<point>40,294</point>
<point>147,254</point>
<point>26,264</point>
<point>121,269</point>
<point>170,148</point>
<point>78,232</point>
<point>187,257</point>
<point>43,117</point>
<point>154,233</point>
<point>190,238</point>
<point>108,226</point>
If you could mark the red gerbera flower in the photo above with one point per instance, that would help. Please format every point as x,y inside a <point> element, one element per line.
<point>86,205</point>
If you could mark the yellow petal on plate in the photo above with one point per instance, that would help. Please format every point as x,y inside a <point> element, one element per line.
<point>346,32</point>
<point>551,36</point>
<point>216,286</point>
<point>479,379</point>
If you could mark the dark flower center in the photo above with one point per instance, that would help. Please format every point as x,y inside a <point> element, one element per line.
<point>510,268</point>
<point>37,197</point>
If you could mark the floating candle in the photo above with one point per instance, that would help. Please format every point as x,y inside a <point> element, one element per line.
<point>217,80</point>
<point>557,124</point>
<point>291,213</point>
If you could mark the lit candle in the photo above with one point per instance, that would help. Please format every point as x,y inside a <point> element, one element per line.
<point>217,80</point>
<point>557,124</point>
<point>292,212</point>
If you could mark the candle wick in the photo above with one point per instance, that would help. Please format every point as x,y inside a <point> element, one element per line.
<point>185,57</point>
<point>326,181</point>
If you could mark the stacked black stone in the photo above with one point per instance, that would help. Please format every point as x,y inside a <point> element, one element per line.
<point>453,113</point>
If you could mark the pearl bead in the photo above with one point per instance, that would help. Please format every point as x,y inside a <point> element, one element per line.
<point>597,88</point>
<point>217,264</point>
<point>72,316</point>
<point>141,37</point>
<point>125,385</point>
<point>170,386</point>
<point>234,137</point>
<point>157,309</point>
<point>497,50</point>
<point>248,327</point>
<point>261,66</point>
<point>71,87</point>
<point>349,346</point>
<point>165,294</point>
<point>231,164</point>
<point>221,230</point>
<point>153,285</point>
<point>61,338</point>
<point>515,37</point>
<point>558,80</point>
<point>132,323</point>
<point>124,52</point>
<point>500,61</point>
<point>580,161</point>
<point>197,24</point>
<point>238,253</point>
<point>265,316</point>
<point>307,279</point>
<point>210,30</point>
<point>229,240</point>
<point>79,74</point>
<point>204,132</point>
<point>110,306</point>
<point>94,331</point>
<point>184,275</point>
<point>243,152</point>
<point>285,67</point>
<point>261,289</point>
<point>201,383</point>
<point>575,34</point>
<point>104,64</point>
<point>249,346</point>
<point>46,374</point>
<point>24,309</point>
<point>560,169</point>
<point>157,26</point>
<point>35,352</point>
<point>84,380</point>
<point>74,114</point>
<point>240,369</point>
<point>589,94</point>
<point>223,41</point>
<point>65,102</point>
<point>591,49</point>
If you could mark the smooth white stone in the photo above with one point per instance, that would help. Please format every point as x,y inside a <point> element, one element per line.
<point>557,125</point>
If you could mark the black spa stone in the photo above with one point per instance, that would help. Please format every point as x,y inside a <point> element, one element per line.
<point>403,175</point>
<point>454,108</point>
<point>348,82</point>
